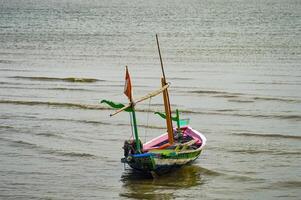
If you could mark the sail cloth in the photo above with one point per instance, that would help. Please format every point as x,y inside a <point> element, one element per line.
<point>128,85</point>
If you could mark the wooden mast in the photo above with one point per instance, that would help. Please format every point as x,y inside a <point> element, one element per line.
<point>129,94</point>
<point>166,100</point>
<point>137,141</point>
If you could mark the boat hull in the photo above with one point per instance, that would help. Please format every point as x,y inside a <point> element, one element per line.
<point>157,160</point>
<point>160,164</point>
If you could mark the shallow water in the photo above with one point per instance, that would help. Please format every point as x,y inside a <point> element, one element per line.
<point>234,68</point>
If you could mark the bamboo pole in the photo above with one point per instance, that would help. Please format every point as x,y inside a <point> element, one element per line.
<point>152,94</point>
<point>168,115</point>
<point>149,95</point>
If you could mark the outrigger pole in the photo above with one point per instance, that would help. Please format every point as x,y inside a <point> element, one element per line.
<point>166,100</point>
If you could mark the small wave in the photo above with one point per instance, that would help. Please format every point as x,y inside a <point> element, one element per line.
<point>214,92</point>
<point>6,26</point>
<point>68,89</point>
<point>45,88</point>
<point>247,98</point>
<point>25,172</point>
<point>62,104</point>
<point>250,151</point>
<point>51,151</point>
<point>219,94</point>
<point>76,121</point>
<point>15,83</point>
<point>264,151</point>
<point>241,101</point>
<point>269,135</point>
<point>99,107</point>
<point>179,78</point>
<point>277,99</point>
<point>46,150</point>
<point>6,62</point>
<point>14,70</point>
<point>288,184</point>
<point>274,83</point>
<point>23,143</point>
<point>50,135</point>
<point>6,127</point>
<point>227,112</point>
<point>74,154</point>
<point>288,153</point>
<point>65,104</point>
<point>96,123</point>
<point>226,96</point>
<point>67,154</point>
<point>289,117</point>
<point>68,79</point>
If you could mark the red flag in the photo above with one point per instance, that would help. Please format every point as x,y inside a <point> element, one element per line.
<point>128,85</point>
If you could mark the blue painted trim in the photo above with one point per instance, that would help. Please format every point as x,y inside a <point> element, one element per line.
<point>142,155</point>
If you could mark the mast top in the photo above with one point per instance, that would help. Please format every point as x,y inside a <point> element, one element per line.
<point>162,68</point>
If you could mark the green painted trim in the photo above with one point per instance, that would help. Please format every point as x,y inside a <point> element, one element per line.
<point>164,116</point>
<point>115,105</point>
<point>175,118</point>
<point>178,119</point>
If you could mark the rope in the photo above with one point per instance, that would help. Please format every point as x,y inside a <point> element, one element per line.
<point>147,120</point>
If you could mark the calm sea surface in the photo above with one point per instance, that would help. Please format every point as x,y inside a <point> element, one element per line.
<point>234,68</point>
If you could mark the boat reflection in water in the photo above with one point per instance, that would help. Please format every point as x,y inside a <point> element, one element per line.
<point>144,186</point>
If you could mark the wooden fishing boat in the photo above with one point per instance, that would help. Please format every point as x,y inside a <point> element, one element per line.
<point>179,146</point>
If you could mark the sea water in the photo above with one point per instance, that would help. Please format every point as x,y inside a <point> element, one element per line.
<point>235,72</point>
